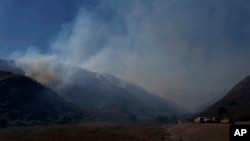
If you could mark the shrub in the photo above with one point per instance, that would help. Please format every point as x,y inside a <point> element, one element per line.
<point>162,119</point>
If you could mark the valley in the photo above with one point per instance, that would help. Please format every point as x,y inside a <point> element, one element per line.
<point>113,131</point>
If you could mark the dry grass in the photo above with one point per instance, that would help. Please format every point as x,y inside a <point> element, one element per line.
<point>198,132</point>
<point>84,132</point>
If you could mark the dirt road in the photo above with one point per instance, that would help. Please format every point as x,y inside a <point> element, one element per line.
<point>197,132</point>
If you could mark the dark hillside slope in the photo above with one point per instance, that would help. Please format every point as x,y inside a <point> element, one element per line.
<point>23,99</point>
<point>236,104</point>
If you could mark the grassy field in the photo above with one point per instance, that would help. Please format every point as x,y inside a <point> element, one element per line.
<point>84,132</point>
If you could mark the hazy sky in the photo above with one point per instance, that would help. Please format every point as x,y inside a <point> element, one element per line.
<point>159,44</point>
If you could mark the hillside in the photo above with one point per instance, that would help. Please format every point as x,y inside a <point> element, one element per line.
<point>104,96</point>
<point>112,98</point>
<point>235,104</point>
<point>24,101</point>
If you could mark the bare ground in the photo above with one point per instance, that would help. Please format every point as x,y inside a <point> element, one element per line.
<point>198,132</point>
<point>119,132</point>
<point>84,132</point>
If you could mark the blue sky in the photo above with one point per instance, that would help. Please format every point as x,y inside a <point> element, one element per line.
<point>34,22</point>
<point>160,45</point>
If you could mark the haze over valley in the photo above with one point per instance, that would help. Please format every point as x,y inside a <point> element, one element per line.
<point>137,70</point>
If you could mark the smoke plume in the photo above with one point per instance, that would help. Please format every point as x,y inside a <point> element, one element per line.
<point>160,45</point>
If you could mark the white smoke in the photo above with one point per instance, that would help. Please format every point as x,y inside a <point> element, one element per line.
<point>160,45</point>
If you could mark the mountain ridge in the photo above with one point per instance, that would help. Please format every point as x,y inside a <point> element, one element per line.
<point>234,104</point>
<point>24,101</point>
<point>10,66</point>
<point>105,96</point>
<point>88,88</point>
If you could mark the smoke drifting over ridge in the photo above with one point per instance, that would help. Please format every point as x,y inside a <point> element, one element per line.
<point>160,45</point>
